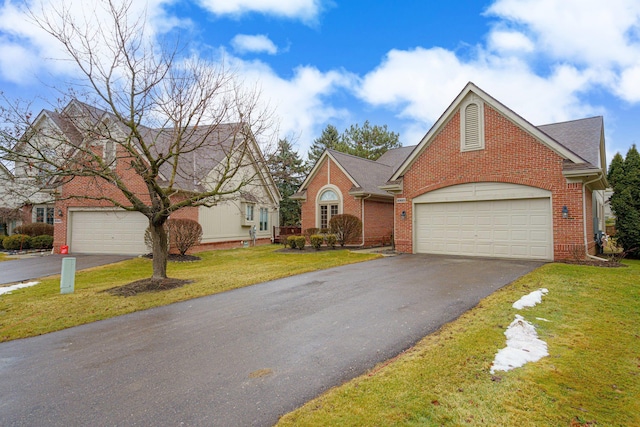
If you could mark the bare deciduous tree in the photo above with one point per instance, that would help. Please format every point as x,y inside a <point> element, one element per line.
<point>154,133</point>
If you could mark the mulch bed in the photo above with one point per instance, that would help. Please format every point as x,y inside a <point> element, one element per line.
<point>595,263</point>
<point>177,257</point>
<point>147,285</point>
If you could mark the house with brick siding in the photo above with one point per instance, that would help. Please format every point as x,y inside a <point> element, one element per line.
<point>485,182</point>
<point>92,215</point>
<point>340,183</point>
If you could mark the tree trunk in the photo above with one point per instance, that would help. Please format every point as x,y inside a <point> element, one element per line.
<point>160,250</point>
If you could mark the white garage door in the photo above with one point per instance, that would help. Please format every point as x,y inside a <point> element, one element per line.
<point>108,232</point>
<point>513,228</point>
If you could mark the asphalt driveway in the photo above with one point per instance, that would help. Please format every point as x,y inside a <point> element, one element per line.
<point>37,266</point>
<point>243,357</point>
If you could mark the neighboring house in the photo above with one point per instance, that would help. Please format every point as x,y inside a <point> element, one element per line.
<point>344,184</point>
<point>21,202</point>
<point>485,182</point>
<point>88,223</point>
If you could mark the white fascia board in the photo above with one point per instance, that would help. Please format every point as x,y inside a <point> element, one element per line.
<point>316,167</point>
<point>496,105</point>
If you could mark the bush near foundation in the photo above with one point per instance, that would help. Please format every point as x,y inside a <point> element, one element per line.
<point>42,242</point>
<point>301,241</point>
<point>346,227</point>
<point>35,229</point>
<point>291,242</point>
<point>184,234</point>
<point>17,242</point>
<point>331,240</point>
<point>316,240</point>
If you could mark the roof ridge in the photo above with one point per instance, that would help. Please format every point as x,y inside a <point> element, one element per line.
<point>356,157</point>
<point>570,121</point>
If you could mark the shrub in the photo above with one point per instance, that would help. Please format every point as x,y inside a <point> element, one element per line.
<point>331,240</point>
<point>310,232</point>
<point>35,229</point>
<point>184,234</point>
<point>42,242</point>
<point>316,240</point>
<point>291,242</point>
<point>17,242</point>
<point>2,236</point>
<point>346,227</point>
<point>301,241</point>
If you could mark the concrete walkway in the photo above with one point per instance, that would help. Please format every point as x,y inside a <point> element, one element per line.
<point>244,357</point>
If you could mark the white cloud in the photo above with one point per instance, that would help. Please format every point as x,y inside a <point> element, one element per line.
<point>301,102</point>
<point>27,50</point>
<point>421,83</point>
<point>243,43</point>
<point>628,87</point>
<point>592,32</point>
<point>510,42</point>
<point>306,10</point>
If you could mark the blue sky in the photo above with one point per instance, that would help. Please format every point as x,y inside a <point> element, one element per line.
<point>399,63</point>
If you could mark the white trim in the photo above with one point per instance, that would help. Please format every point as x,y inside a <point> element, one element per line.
<point>502,109</point>
<point>470,100</point>
<point>477,191</point>
<point>324,188</point>
<point>317,166</point>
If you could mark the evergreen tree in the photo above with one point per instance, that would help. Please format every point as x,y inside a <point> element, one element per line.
<point>624,177</point>
<point>330,138</point>
<point>369,142</point>
<point>288,172</point>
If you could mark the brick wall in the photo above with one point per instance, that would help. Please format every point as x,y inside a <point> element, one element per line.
<point>511,155</point>
<point>378,217</point>
<point>94,187</point>
<point>328,173</point>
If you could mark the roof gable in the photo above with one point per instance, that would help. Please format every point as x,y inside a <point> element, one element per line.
<point>471,88</point>
<point>365,175</point>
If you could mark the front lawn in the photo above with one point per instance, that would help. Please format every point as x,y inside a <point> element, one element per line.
<point>591,377</point>
<point>41,308</point>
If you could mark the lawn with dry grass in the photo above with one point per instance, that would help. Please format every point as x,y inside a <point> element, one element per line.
<point>590,378</point>
<point>41,308</point>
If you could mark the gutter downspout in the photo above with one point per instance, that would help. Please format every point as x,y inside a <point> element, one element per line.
<point>362,202</point>
<point>584,217</point>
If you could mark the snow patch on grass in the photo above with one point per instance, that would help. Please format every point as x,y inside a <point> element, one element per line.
<point>530,300</point>
<point>523,346</point>
<point>9,289</point>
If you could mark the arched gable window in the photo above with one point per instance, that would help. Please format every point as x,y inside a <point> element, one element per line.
<point>471,125</point>
<point>329,204</point>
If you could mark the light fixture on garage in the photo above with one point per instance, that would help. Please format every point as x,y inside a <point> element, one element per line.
<point>59,212</point>
<point>565,212</point>
<point>403,215</point>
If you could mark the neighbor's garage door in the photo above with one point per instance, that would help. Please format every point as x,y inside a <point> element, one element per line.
<point>108,232</point>
<point>513,228</point>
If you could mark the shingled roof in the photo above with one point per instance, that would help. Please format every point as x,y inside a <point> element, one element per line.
<point>580,136</point>
<point>367,175</point>
<point>210,145</point>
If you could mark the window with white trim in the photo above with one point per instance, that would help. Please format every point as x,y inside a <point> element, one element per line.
<point>472,125</point>
<point>264,219</point>
<point>248,214</point>
<point>328,206</point>
<point>44,214</point>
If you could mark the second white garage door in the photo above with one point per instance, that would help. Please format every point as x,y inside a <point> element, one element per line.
<point>108,232</point>
<point>518,228</point>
